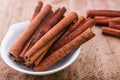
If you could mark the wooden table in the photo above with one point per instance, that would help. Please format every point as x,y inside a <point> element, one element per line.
<point>99,58</point>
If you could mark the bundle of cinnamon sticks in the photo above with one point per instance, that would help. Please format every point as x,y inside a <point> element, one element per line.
<point>110,19</point>
<point>50,36</point>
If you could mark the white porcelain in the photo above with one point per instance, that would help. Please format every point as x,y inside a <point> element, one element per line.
<point>13,33</point>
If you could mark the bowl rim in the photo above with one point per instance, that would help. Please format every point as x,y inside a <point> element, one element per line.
<point>3,43</point>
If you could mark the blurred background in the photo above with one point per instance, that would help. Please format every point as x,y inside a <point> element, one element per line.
<point>13,11</point>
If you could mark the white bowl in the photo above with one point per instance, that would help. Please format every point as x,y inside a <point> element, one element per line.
<point>13,33</point>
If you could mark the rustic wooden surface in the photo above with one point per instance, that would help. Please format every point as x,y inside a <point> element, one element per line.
<point>99,58</point>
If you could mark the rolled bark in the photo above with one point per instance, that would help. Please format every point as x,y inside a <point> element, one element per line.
<point>111,32</point>
<point>114,25</point>
<point>66,39</point>
<point>19,44</point>
<point>52,33</point>
<point>107,13</point>
<point>65,50</point>
<point>105,21</point>
<point>47,25</point>
<point>37,9</point>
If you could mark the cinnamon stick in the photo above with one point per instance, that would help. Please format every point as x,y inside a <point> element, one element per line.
<point>107,13</point>
<point>64,40</point>
<point>37,9</point>
<point>111,32</point>
<point>52,32</point>
<point>101,17</point>
<point>32,39</point>
<point>39,54</point>
<point>48,23</point>
<point>56,17</point>
<point>114,25</point>
<point>65,50</point>
<point>79,22</point>
<point>105,21</point>
<point>19,44</point>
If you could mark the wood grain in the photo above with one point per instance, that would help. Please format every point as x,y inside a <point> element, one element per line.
<point>99,58</point>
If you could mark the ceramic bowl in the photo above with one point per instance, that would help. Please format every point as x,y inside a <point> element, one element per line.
<point>12,35</point>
